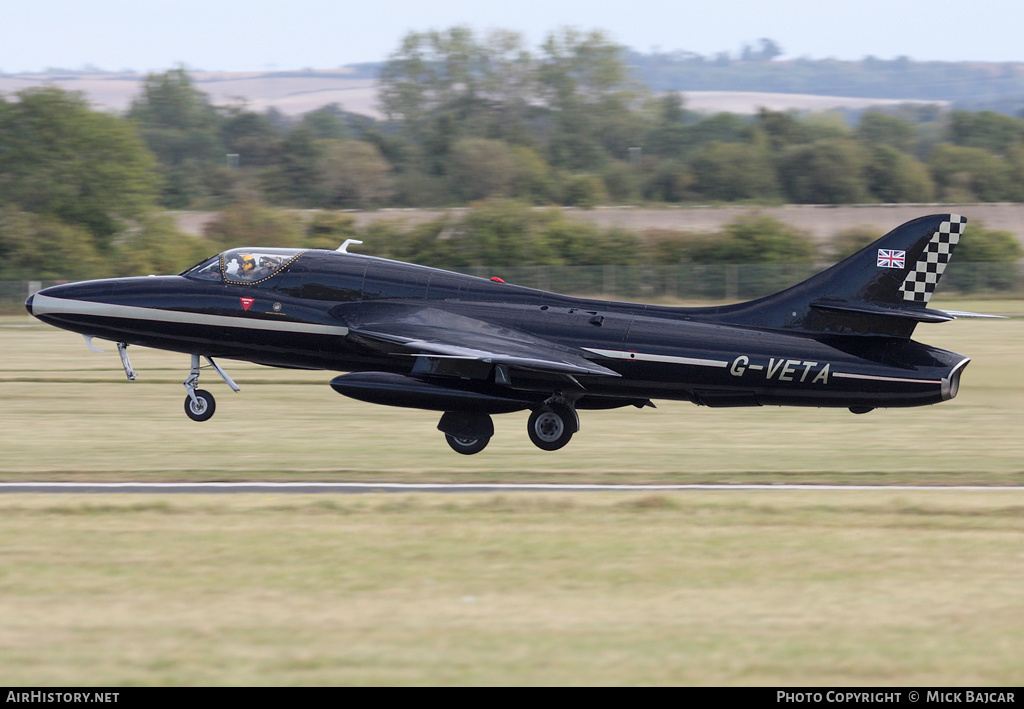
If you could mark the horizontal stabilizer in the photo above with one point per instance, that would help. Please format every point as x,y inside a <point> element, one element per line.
<point>957,314</point>
<point>922,315</point>
<point>929,315</point>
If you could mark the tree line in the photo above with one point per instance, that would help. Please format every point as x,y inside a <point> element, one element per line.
<point>468,119</point>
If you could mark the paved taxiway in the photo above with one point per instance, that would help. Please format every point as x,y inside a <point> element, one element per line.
<point>359,488</point>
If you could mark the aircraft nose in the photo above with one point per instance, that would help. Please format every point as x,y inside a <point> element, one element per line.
<point>28,304</point>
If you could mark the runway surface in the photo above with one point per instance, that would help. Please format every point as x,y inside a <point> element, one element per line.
<point>362,488</point>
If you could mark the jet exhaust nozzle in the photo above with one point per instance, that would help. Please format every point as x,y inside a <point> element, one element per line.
<point>951,384</point>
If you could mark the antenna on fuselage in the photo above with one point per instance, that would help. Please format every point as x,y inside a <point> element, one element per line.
<point>344,247</point>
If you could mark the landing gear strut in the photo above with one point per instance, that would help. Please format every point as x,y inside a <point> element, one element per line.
<point>551,426</point>
<point>200,404</point>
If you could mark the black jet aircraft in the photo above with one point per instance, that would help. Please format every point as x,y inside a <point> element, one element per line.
<point>469,347</point>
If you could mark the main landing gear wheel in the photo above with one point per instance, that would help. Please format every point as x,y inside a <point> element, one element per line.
<point>202,408</point>
<point>466,446</point>
<point>552,427</point>
<point>467,433</point>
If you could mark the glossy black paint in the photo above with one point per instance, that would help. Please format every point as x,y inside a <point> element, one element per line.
<point>424,338</point>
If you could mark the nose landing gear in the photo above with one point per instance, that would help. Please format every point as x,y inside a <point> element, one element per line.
<point>200,404</point>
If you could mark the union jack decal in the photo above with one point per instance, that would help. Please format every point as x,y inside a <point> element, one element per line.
<point>889,258</point>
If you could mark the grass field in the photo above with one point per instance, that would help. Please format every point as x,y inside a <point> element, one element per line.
<point>713,588</point>
<point>813,587</point>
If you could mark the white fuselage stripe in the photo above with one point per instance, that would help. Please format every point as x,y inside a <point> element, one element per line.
<point>46,305</point>
<point>880,378</point>
<point>645,357</point>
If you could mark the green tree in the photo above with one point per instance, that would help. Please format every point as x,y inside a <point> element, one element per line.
<point>621,182</point>
<point>297,177</point>
<point>669,181</point>
<point>253,137</point>
<point>757,239</point>
<point>180,125</point>
<point>329,230</point>
<point>582,244</point>
<point>992,255</point>
<point>783,128</point>
<point>583,190</point>
<point>60,158</point>
<point>428,243</point>
<point>501,232</point>
<point>531,180</point>
<point>877,128</point>
<point>668,136</point>
<point>587,90</point>
<point>827,171</point>
<point>482,168</point>
<point>722,127</point>
<point>509,233</point>
<point>965,174</point>
<point>894,176</point>
<point>352,173</point>
<point>253,224</point>
<point>988,245</point>
<point>988,130</point>
<point>326,123</point>
<point>40,246</point>
<point>157,247</point>
<point>509,88</point>
<point>735,171</point>
<point>437,73</point>
<point>849,241</point>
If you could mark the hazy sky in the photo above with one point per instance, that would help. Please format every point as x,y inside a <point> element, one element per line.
<point>240,35</point>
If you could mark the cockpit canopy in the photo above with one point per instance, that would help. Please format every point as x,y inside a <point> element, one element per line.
<point>245,266</point>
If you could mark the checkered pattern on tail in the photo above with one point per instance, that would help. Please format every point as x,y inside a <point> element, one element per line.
<point>920,283</point>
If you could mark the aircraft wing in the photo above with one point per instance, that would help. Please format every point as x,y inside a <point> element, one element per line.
<point>439,333</point>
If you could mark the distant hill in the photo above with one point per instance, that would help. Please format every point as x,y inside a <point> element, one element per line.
<point>722,83</point>
<point>290,92</point>
<point>968,85</point>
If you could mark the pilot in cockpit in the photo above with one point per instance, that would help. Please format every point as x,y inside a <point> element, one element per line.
<point>267,266</point>
<point>248,267</point>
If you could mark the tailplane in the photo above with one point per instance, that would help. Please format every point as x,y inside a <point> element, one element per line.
<point>882,289</point>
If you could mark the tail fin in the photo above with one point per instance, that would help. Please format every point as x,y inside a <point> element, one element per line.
<point>882,289</point>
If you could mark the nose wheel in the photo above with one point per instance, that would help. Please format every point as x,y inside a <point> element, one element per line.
<point>200,404</point>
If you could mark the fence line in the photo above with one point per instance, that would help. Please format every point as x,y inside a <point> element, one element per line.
<point>727,282</point>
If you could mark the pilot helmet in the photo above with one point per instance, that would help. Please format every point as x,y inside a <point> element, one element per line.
<point>248,263</point>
